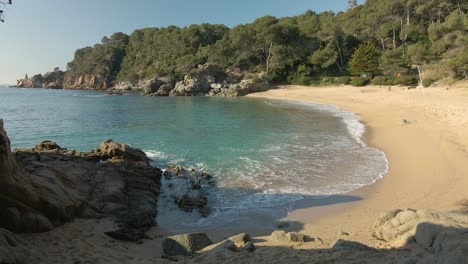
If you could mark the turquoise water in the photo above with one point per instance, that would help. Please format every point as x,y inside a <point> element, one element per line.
<point>265,154</point>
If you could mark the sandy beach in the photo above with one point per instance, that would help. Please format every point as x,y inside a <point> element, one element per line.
<point>428,154</point>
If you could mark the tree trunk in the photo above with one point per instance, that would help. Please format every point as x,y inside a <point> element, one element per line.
<point>394,40</point>
<point>268,59</point>
<point>339,52</point>
<point>383,43</point>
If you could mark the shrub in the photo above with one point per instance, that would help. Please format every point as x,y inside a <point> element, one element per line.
<point>406,80</point>
<point>326,80</point>
<point>342,80</point>
<point>383,80</point>
<point>300,80</point>
<point>361,81</point>
<point>428,82</point>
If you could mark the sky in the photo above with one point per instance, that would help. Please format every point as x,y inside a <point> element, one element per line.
<point>39,35</point>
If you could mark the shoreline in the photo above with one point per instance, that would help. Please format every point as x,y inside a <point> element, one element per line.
<point>417,168</point>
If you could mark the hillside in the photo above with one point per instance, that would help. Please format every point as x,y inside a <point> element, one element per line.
<point>298,50</point>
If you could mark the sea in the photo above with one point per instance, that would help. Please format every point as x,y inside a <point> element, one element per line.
<point>267,156</point>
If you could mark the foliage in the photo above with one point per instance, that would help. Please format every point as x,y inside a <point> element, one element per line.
<point>383,80</point>
<point>360,81</point>
<point>342,80</point>
<point>299,49</point>
<point>365,59</point>
<point>406,80</point>
<point>428,82</point>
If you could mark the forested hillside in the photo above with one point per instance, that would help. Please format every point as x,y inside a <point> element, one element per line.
<point>300,49</point>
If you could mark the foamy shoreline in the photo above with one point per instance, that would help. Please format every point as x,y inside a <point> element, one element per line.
<point>428,161</point>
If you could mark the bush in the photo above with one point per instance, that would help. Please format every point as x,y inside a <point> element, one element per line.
<point>428,82</point>
<point>342,80</point>
<point>361,81</point>
<point>326,80</point>
<point>383,80</point>
<point>406,80</point>
<point>300,80</point>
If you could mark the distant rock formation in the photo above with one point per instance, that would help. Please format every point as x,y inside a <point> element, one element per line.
<point>46,186</point>
<point>51,80</point>
<point>206,80</point>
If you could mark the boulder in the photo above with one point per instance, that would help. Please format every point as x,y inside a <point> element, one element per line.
<point>282,236</point>
<point>341,244</point>
<point>185,244</point>
<point>191,86</point>
<point>110,149</point>
<point>402,224</point>
<point>47,145</point>
<point>151,86</point>
<point>221,246</point>
<point>164,90</point>
<point>241,240</point>
<point>12,250</point>
<point>235,244</point>
<point>123,86</point>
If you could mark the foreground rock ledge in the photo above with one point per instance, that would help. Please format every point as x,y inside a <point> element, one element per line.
<point>46,186</point>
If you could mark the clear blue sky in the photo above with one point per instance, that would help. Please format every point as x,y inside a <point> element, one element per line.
<point>39,35</point>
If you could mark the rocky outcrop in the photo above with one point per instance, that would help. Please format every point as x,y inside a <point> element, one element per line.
<point>46,186</point>
<point>443,234</point>
<point>239,89</point>
<point>157,86</point>
<point>189,188</point>
<point>51,80</point>
<point>87,81</point>
<point>206,80</point>
<point>281,236</point>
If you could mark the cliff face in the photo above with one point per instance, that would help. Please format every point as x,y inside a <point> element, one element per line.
<point>46,186</point>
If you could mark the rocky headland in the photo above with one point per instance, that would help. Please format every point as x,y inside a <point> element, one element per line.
<point>206,80</point>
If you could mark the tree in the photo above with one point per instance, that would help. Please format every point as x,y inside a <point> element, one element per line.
<point>352,4</point>
<point>365,59</point>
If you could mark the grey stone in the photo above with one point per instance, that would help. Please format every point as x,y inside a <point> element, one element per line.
<point>185,244</point>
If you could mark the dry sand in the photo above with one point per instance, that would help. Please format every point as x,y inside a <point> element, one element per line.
<point>428,157</point>
<point>428,170</point>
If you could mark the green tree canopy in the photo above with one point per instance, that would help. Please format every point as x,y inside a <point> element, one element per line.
<point>365,59</point>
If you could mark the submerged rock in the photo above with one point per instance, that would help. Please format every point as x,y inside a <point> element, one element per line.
<point>188,187</point>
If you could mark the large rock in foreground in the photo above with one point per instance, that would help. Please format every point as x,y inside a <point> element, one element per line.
<point>185,244</point>
<point>444,234</point>
<point>46,186</point>
<point>12,250</point>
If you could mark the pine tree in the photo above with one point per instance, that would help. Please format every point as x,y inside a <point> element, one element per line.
<point>365,59</point>
<point>352,4</point>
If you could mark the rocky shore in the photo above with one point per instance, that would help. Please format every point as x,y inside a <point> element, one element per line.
<point>206,80</point>
<point>47,186</point>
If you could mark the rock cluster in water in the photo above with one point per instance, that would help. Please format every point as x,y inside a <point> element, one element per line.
<point>189,188</point>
